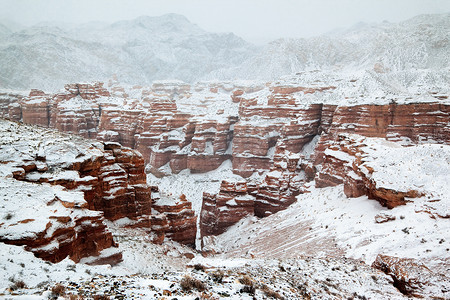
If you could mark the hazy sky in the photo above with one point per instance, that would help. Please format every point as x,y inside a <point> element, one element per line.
<point>255,20</point>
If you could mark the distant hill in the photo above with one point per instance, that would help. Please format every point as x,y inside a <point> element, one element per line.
<point>422,42</point>
<point>170,47</point>
<point>138,51</point>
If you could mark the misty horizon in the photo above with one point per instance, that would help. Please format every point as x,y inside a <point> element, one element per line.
<point>258,22</point>
<point>16,26</point>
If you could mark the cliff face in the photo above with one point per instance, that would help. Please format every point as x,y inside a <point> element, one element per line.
<point>231,204</point>
<point>261,129</point>
<point>172,123</point>
<point>111,177</point>
<point>239,199</point>
<point>49,184</point>
<point>344,162</point>
<point>54,224</point>
<point>181,219</point>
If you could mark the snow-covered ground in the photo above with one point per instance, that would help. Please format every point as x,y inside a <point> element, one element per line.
<point>25,277</point>
<point>339,226</point>
<point>325,222</point>
<point>193,185</point>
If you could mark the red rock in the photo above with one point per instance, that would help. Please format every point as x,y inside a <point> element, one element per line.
<point>35,92</point>
<point>156,128</point>
<point>181,219</point>
<point>236,96</point>
<point>282,184</point>
<point>340,163</point>
<point>36,111</point>
<point>289,89</point>
<point>86,90</point>
<point>413,278</point>
<point>160,225</point>
<point>230,205</point>
<point>111,176</point>
<point>73,232</point>
<point>417,121</point>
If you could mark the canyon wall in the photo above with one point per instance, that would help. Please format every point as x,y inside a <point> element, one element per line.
<point>261,129</point>
<point>58,189</point>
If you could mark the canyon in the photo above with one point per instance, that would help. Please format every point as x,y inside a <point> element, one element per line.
<point>278,138</point>
<point>329,182</point>
<point>263,132</point>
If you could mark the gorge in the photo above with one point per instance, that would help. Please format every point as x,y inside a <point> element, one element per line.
<point>328,182</point>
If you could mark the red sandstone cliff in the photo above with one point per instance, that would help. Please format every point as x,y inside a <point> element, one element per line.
<point>159,129</point>
<point>181,219</point>
<point>49,182</point>
<point>270,129</point>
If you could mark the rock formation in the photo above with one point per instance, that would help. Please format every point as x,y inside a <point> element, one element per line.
<point>177,124</point>
<point>238,199</point>
<point>351,160</point>
<point>54,224</point>
<point>261,129</point>
<point>181,219</point>
<point>104,177</point>
<point>48,188</point>
<point>224,209</point>
<point>281,184</point>
<point>413,278</point>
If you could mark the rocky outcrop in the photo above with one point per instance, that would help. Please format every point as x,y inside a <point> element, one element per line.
<point>281,185</point>
<point>342,163</point>
<point>265,121</point>
<point>220,211</point>
<point>170,123</point>
<point>407,123</point>
<point>360,164</point>
<point>10,107</point>
<point>181,219</point>
<point>73,110</point>
<point>239,199</point>
<point>111,177</point>
<point>54,224</point>
<point>413,278</point>
<point>103,177</point>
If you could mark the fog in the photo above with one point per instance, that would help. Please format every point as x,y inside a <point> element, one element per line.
<point>257,21</point>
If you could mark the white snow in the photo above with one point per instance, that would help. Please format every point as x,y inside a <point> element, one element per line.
<point>327,214</point>
<point>424,168</point>
<point>193,185</point>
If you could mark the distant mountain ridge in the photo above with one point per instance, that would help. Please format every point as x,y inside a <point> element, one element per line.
<point>145,49</point>
<point>422,42</point>
<point>138,51</point>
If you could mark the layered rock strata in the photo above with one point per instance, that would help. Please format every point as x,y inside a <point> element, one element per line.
<point>413,278</point>
<point>238,199</point>
<point>176,126</point>
<point>281,185</point>
<point>181,219</point>
<point>54,224</point>
<point>385,171</point>
<point>231,204</point>
<point>49,190</point>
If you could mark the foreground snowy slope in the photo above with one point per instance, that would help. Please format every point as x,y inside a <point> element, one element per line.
<point>26,277</point>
